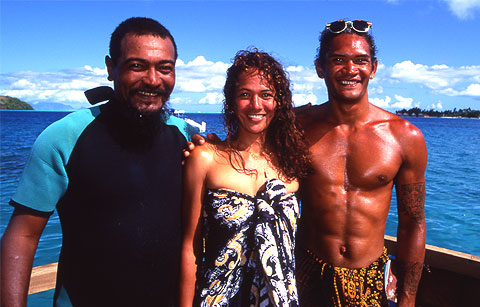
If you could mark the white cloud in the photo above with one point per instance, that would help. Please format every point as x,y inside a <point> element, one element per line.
<point>472,90</point>
<point>212,98</point>
<point>437,106</point>
<point>301,99</point>
<point>464,9</point>
<point>305,85</point>
<point>78,85</point>
<point>192,85</point>
<point>303,75</point>
<point>66,86</point>
<point>295,69</point>
<point>201,81</point>
<point>404,102</point>
<point>201,65</point>
<point>400,102</point>
<point>440,78</point>
<point>180,100</point>
<point>382,103</point>
<point>22,83</point>
<point>375,90</point>
<point>434,77</point>
<point>380,67</point>
<point>200,75</point>
<point>203,76</point>
<point>96,71</point>
<point>71,96</point>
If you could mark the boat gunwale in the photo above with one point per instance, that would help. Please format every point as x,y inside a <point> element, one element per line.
<point>43,278</point>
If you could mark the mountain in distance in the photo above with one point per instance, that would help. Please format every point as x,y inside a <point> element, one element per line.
<point>53,106</point>
<point>11,103</point>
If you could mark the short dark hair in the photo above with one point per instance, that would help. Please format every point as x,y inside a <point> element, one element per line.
<point>137,26</point>
<point>327,36</point>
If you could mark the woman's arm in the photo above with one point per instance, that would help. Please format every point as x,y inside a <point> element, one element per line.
<point>194,176</point>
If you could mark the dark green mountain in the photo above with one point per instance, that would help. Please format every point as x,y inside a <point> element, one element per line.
<point>10,103</point>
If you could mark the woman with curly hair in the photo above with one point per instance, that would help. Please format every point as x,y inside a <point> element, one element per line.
<point>240,209</point>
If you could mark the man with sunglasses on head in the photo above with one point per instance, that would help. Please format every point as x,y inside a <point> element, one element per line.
<point>359,152</point>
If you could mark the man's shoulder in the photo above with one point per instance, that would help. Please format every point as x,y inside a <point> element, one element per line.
<point>403,131</point>
<point>309,113</point>
<point>397,123</point>
<point>45,178</point>
<point>309,109</point>
<point>75,120</point>
<point>411,146</point>
<point>186,129</point>
<point>68,127</point>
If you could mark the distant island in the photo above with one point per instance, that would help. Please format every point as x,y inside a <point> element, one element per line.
<point>11,103</point>
<point>417,112</point>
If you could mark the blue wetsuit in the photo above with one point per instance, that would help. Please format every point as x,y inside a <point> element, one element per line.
<point>117,190</point>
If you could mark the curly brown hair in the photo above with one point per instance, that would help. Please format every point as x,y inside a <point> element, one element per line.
<point>284,140</point>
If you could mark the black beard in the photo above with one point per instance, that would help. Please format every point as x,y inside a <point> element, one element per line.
<point>132,128</point>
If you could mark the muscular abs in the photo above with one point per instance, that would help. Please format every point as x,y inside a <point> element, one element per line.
<point>345,202</point>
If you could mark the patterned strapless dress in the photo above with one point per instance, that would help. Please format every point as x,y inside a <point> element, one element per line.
<point>248,254</point>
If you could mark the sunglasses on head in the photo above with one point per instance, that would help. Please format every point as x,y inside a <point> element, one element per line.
<point>341,25</point>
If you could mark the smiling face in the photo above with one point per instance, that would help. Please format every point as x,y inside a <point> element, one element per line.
<point>348,69</point>
<point>144,75</point>
<point>254,103</point>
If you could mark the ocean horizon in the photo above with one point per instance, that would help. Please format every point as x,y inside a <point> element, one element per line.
<point>452,207</point>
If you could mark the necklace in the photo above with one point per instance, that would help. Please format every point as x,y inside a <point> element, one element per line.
<point>260,165</point>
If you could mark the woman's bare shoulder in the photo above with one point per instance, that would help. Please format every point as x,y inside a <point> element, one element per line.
<point>208,152</point>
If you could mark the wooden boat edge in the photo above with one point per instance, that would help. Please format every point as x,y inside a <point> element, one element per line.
<point>445,259</point>
<point>43,277</point>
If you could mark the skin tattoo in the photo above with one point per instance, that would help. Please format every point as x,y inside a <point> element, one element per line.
<point>413,272</point>
<point>411,200</point>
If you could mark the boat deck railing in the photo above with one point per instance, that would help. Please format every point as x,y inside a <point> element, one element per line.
<point>443,258</point>
<point>450,278</point>
<point>43,278</point>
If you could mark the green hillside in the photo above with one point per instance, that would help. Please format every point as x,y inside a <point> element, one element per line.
<point>10,103</point>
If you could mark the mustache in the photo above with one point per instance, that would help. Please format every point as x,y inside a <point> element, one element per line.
<point>156,91</point>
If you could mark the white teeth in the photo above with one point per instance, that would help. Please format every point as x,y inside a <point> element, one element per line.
<point>348,82</point>
<point>255,116</point>
<point>147,93</point>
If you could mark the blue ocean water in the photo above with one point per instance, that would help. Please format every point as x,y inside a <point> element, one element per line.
<point>452,206</point>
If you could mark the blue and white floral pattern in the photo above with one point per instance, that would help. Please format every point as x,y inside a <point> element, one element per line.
<point>249,247</point>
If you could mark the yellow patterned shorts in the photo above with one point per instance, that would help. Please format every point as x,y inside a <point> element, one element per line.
<point>321,284</point>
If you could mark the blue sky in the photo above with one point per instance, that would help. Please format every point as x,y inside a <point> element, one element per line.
<point>51,51</point>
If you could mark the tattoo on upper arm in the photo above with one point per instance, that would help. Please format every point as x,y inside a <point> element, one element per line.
<point>411,200</point>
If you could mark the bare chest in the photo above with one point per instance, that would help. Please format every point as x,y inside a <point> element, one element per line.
<point>364,158</point>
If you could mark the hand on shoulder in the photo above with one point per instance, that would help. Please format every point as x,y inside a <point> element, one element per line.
<point>198,140</point>
<point>203,152</point>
